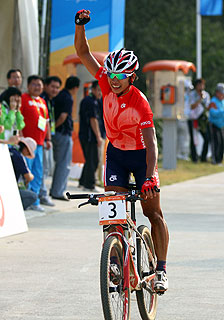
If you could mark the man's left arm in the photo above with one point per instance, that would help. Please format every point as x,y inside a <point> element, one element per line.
<point>150,140</point>
<point>150,187</point>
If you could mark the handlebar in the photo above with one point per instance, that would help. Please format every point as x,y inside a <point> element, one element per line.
<point>132,196</point>
<point>77,196</point>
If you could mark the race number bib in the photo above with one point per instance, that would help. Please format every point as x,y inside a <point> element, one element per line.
<point>42,123</point>
<point>112,210</point>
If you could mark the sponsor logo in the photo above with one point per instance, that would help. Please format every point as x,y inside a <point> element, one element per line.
<point>146,122</point>
<point>113,177</point>
<point>36,104</point>
<point>2,213</point>
<point>123,105</point>
<point>142,140</point>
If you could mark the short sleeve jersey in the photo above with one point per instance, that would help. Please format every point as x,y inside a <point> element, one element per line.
<point>125,116</point>
<point>31,109</point>
<point>63,104</point>
<point>89,108</point>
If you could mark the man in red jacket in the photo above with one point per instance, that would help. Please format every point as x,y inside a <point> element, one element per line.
<point>35,112</point>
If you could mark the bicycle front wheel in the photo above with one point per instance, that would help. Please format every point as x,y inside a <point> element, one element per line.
<point>115,299</point>
<point>147,301</point>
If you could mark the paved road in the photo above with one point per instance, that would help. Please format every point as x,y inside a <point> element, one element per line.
<point>52,271</point>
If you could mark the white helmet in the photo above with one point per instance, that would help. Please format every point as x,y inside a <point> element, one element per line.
<point>121,61</point>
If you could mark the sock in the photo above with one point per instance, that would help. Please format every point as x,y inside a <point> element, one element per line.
<point>161,265</point>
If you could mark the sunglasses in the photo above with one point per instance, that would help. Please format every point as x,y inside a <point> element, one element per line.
<point>119,76</point>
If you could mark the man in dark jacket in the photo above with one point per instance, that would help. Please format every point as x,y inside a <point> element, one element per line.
<point>90,135</point>
<point>62,140</point>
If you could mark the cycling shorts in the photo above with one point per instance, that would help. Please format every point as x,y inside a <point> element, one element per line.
<point>121,163</point>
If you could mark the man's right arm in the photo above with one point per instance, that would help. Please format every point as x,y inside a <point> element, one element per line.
<point>82,47</point>
<point>61,119</point>
<point>95,127</point>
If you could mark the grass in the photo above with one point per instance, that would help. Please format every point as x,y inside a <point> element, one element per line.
<point>186,170</point>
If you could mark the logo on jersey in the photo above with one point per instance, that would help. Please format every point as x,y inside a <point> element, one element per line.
<point>113,177</point>
<point>123,105</point>
<point>36,104</point>
<point>146,122</point>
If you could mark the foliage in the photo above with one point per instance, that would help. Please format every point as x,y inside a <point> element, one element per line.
<point>167,30</point>
<point>159,131</point>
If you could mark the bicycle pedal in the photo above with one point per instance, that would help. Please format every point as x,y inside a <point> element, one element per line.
<point>160,293</point>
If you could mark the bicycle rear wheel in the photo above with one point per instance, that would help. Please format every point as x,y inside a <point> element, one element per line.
<point>115,300</point>
<point>147,302</point>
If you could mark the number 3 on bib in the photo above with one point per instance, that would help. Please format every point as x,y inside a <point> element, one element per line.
<point>112,210</point>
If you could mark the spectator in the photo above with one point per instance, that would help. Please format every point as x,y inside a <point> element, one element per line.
<point>183,139</point>
<point>27,148</point>
<point>199,101</point>
<point>11,117</point>
<point>12,140</point>
<point>51,89</point>
<point>34,110</point>
<point>90,135</point>
<point>14,78</point>
<point>216,119</point>
<point>62,140</point>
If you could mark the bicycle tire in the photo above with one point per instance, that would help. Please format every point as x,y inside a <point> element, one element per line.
<point>113,303</point>
<point>147,302</point>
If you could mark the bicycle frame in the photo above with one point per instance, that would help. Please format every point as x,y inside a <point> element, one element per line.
<point>132,279</point>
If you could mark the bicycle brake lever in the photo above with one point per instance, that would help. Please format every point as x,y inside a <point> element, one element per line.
<point>83,204</point>
<point>92,201</point>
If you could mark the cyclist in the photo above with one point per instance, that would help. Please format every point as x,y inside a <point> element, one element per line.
<point>132,140</point>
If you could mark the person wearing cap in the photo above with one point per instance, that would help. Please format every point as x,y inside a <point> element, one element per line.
<point>216,123</point>
<point>26,149</point>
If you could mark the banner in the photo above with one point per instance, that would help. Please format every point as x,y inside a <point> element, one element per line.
<point>105,31</point>
<point>12,218</point>
<point>211,7</point>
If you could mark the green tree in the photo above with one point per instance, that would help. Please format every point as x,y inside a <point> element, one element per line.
<point>167,30</point>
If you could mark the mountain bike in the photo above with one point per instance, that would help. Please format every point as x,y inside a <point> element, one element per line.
<point>128,260</point>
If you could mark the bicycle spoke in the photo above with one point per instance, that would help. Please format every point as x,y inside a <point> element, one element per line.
<point>147,301</point>
<point>114,298</point>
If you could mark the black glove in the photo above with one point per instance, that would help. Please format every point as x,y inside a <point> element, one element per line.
<point>81,21</point>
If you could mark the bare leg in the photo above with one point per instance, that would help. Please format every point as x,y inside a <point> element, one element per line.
<point>151,209</point>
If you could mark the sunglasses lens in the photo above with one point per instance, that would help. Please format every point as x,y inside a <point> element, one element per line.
<point>119,76</point>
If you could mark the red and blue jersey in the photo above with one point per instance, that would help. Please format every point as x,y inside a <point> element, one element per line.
<point>124,116</point>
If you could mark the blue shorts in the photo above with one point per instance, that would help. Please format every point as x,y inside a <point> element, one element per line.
<point>120,164</point>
